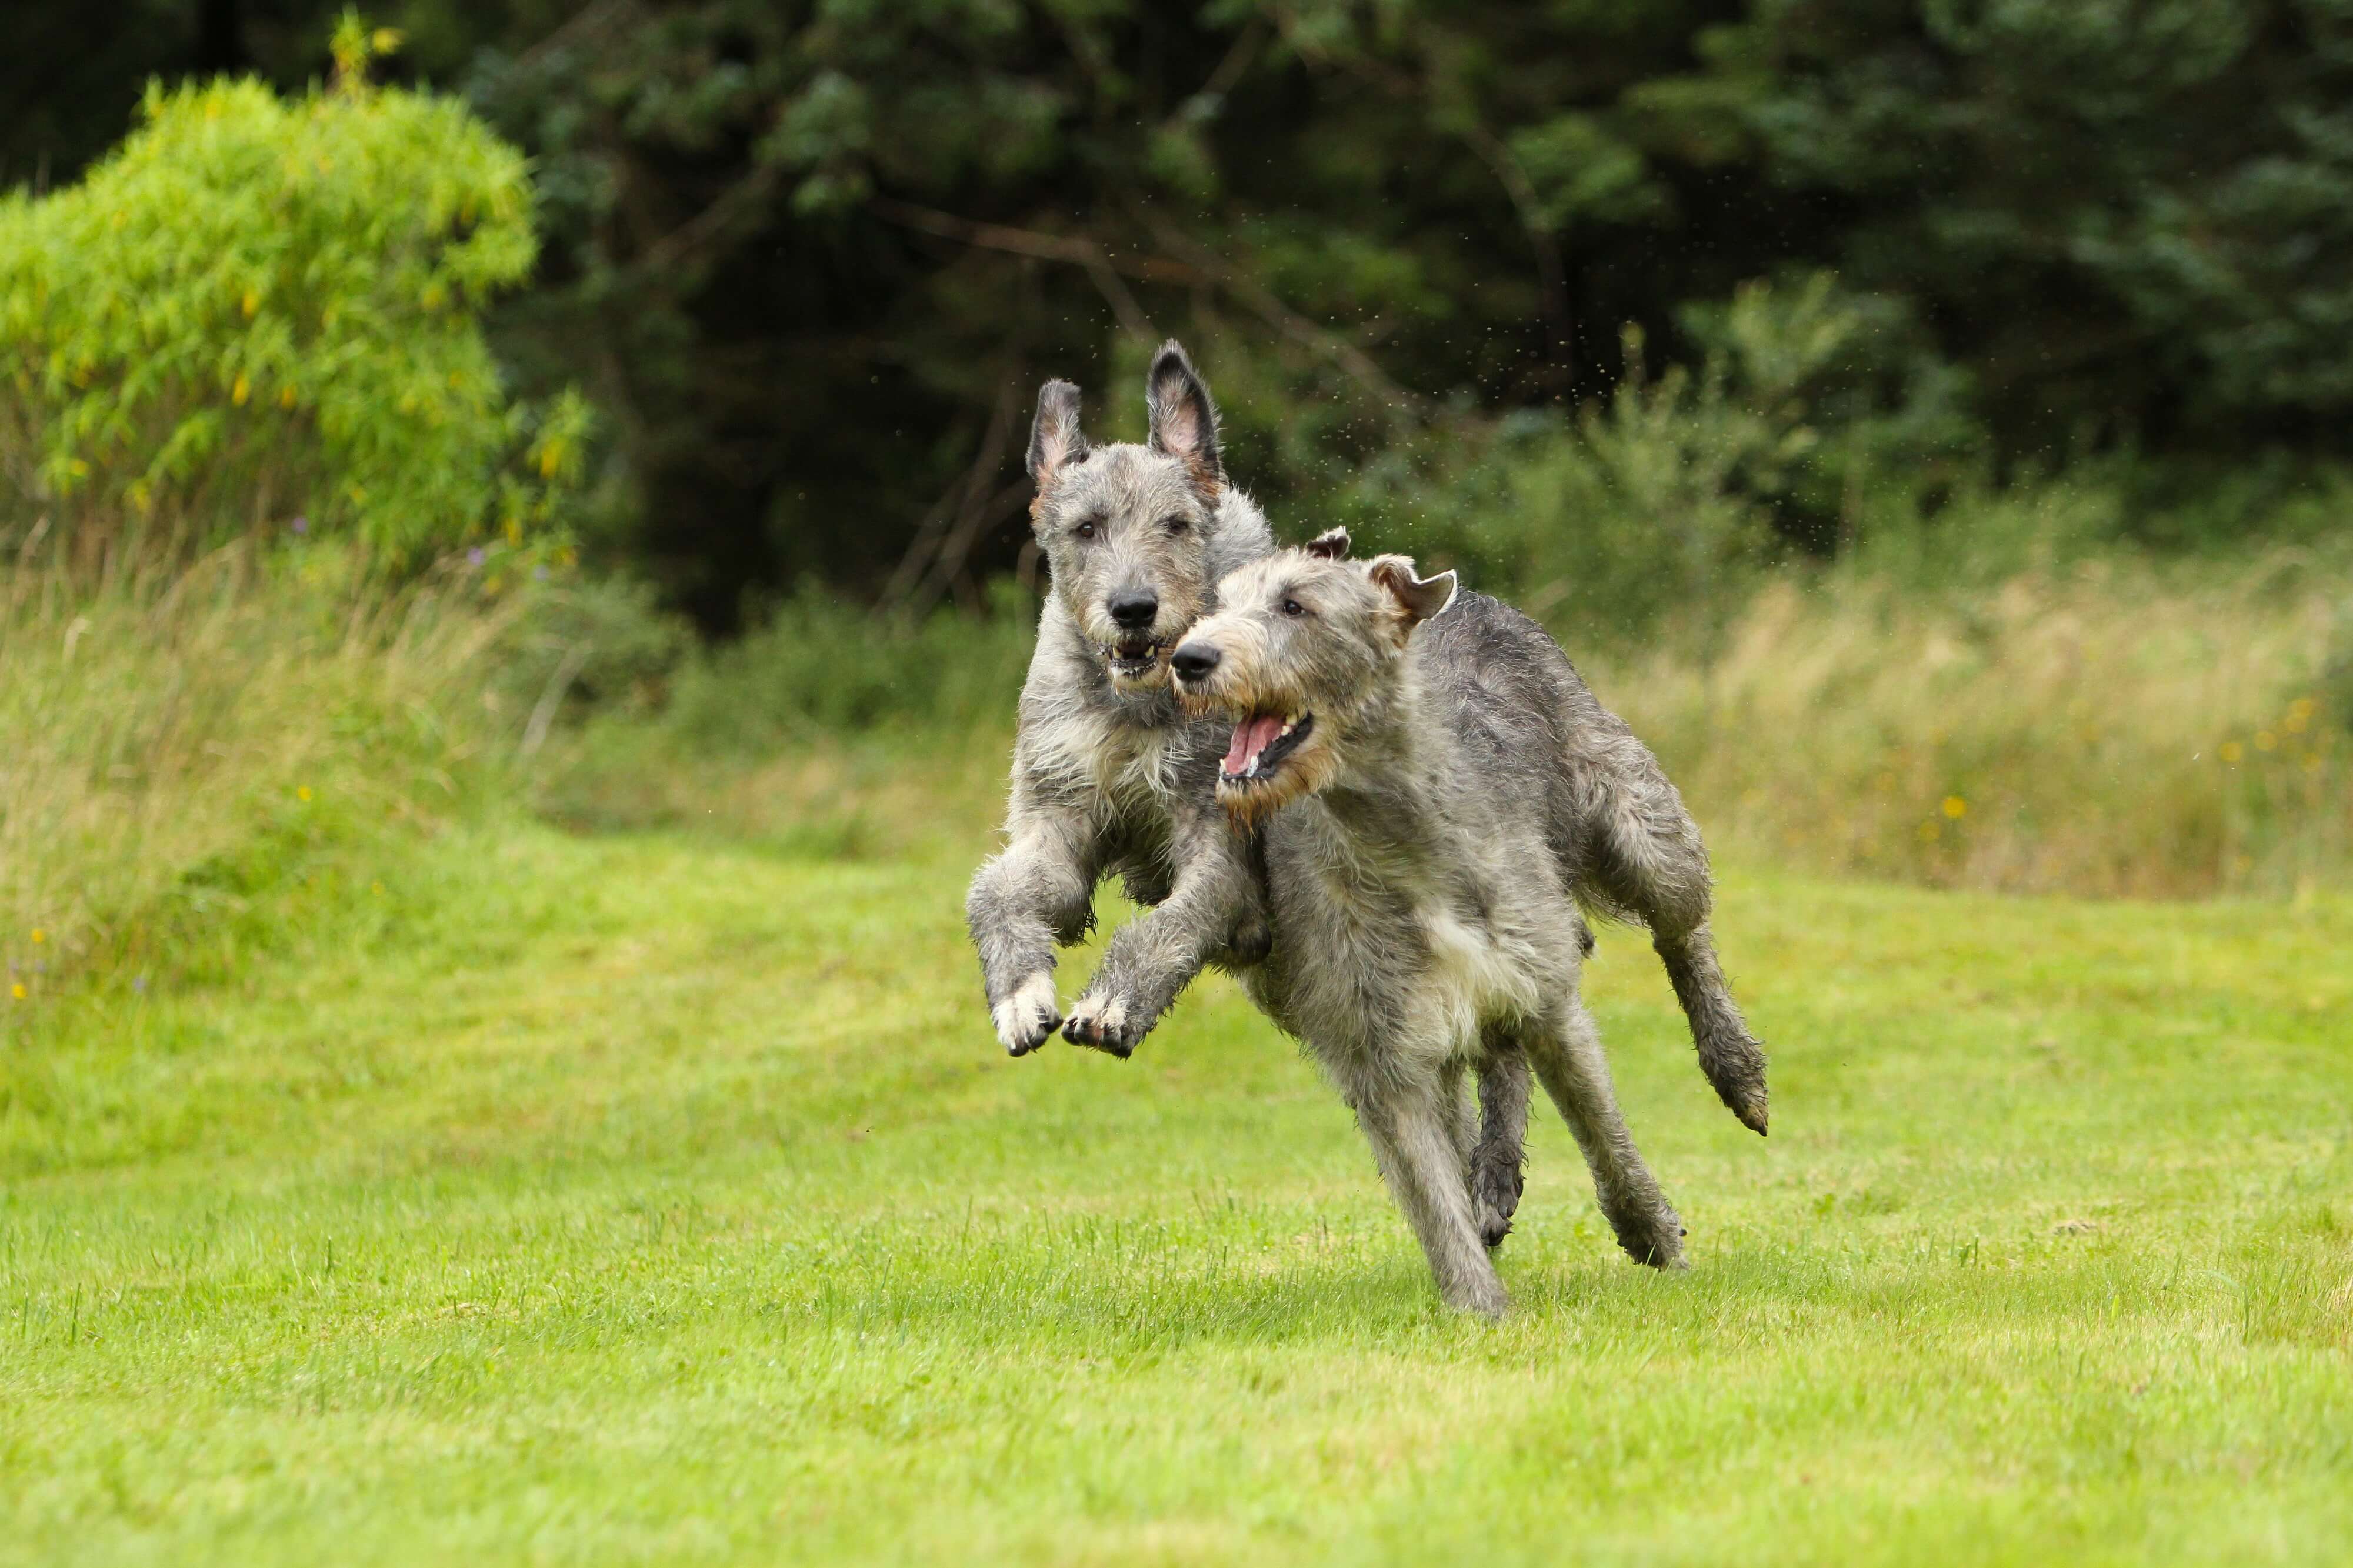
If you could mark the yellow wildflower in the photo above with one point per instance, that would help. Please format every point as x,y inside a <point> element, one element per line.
<point>17,990</point>
<point>2233,751</point>
<point>1956,807</point>
<point>302,792</point>
<point>40,935</point>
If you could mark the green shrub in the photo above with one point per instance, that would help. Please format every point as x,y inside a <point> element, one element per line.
<point>817,666</point>
<point>256,310</point>
<point>1818,419</point>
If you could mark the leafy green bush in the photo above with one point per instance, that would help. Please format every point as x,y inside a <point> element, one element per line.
<point>818,665</point>
<point>257,311</point>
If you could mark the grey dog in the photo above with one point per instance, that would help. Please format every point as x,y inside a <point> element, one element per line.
<point>1110,777</point>
<point>1435,790</point>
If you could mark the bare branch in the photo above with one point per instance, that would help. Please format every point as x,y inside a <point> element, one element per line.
<point>1030,242</point>
<point>697,231</point>
<point>946,535</point>
<point>1202,268</point>
<point>1261,302</point>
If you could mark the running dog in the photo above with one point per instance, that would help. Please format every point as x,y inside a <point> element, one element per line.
<point>1436,790</point>
<point>1110,777</point>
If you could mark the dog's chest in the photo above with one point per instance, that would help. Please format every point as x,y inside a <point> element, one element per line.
<point>1368,955</point>
<point>1467,967</point>
<point>1122,776</point>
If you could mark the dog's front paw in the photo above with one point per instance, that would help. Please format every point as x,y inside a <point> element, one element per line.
<point>1105,1024</point>
<point>1026,1019</point>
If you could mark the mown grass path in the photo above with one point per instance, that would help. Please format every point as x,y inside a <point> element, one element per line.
<point>648,1199</point>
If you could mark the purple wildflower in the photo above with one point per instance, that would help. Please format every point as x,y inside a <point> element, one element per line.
<point>474,556</point>
<point>300,525</point>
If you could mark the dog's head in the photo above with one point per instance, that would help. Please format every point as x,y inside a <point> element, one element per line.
<point>1304,648</point>
<point>1128,531</point>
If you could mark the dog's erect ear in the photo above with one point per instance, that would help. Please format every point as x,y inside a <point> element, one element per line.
<point>1417,598</point>
<point>1184,420</point>
<point>1055,438</point>
<point>1332,545</point>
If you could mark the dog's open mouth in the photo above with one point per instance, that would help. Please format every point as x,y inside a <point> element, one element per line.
<point>1132,660</point>
<point>1261,744</point>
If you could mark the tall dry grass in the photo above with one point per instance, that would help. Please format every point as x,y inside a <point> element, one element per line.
<point>175,752</point>
<point>2112,729</point>
<point>170,746</point>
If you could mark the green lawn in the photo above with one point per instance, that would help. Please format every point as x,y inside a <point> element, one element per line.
<point>627,1199</point>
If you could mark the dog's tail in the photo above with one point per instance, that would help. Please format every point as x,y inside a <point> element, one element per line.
<point>1728,1054</point>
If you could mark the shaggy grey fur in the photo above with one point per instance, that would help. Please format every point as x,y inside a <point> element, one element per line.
<point>1441,792</point>
<point>1109,777</point>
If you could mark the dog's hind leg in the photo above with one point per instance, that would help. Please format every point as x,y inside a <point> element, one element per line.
<point>1407,1125</point>
<point>1729,1055</point>
<point>1649,862</point>
<point>1499,1158</point>
<point>1041,889</point>
<point>1567,1052</point>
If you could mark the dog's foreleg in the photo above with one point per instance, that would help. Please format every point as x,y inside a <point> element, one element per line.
<point>1406,1123</point>
<point>1021,902</point>
<point>1156,955</point>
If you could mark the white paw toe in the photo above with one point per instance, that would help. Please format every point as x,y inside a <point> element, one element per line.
<point>1029,1015</point>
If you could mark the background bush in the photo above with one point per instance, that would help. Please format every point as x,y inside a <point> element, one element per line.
<point>263,313</point>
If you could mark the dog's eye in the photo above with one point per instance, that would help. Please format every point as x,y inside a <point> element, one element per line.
<point>1178,524</point>
<point>1085,530</point>
<point>1293,607</point>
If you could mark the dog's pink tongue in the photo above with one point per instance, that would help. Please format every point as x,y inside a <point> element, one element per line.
<point>1251,736</point>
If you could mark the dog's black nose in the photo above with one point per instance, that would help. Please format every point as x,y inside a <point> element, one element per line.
<point>1194,660</point>
<point>1131,611</point>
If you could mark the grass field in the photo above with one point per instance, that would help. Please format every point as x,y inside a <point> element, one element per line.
<point>650,1198</point>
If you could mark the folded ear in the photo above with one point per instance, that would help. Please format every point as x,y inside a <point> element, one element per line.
<point>1055,437</point>
<point>1184,420</point>
<point>1332,545</point>
<point>1417,598</point>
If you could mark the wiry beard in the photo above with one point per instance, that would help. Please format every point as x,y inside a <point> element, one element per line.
<point>1248,799</point>
<point>1130,681</point>
<point>1249,802</point>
